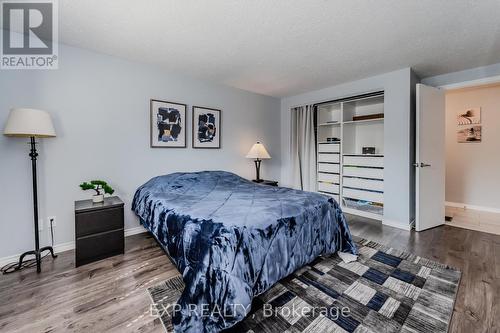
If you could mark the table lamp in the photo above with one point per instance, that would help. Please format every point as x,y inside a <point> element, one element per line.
<point>259,153</point>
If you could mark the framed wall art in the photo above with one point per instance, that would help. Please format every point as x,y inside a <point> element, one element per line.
<point>466,134</point>
<point>206,127</point>
<point>469,134</point>
<point>470,116</point>
<point>168,124</point>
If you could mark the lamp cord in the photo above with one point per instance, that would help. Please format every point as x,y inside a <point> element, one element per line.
<point>13,266</point>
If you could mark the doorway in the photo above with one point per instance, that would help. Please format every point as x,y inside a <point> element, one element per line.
<point>472,136</point>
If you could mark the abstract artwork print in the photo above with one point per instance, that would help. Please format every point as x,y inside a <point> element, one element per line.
<point>168,124</point>
<point>206,127</point>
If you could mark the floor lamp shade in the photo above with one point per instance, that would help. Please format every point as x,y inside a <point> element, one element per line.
<point>29,123</point>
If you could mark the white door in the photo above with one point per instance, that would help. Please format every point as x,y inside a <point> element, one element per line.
<point>430,157</point>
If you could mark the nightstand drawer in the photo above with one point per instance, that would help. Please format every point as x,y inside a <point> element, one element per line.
<point>98,221</point>
<point>99,246</point>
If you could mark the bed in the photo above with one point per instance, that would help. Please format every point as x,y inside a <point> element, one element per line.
<point>232,239</point>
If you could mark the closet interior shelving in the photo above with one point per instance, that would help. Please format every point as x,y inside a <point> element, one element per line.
<point>354,179</point>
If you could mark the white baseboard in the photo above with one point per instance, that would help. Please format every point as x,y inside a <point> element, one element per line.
<point>7,260</point>
<point>395,224</point>
<point>134,231</point>
<point>62,247</point>
<point>474,207</point>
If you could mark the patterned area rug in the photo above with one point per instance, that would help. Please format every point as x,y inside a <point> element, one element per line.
<point>386,290</point>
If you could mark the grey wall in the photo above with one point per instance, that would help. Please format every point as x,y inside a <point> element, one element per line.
<point>472,168</point>
<point>397,131</point>
<point>100,106</point>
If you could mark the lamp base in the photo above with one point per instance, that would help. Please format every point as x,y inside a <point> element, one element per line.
<point>257,180</point>
<point>38,257</point>
<point>257,170</point>
<point>38,251</point>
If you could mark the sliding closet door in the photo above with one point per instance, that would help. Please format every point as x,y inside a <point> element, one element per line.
<point>430,157</point>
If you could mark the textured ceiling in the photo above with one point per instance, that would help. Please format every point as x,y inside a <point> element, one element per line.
<point>284,47</point>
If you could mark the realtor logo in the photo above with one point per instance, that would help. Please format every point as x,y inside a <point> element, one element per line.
<point>29,34</point>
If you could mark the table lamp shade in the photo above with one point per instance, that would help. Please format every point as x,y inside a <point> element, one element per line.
<point>258,151</point>
<point>28,123</point>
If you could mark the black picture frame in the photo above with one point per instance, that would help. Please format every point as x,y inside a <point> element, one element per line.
<point>154,106</point>
<point>210,143</point>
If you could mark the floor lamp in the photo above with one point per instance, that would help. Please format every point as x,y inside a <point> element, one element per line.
<point>33,124</point>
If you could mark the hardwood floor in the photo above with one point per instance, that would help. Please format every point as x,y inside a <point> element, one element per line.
<point>111,296</point>
<point>476,254</point>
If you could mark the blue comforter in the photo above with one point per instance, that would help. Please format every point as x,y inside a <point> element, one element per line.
<point>232,239</point>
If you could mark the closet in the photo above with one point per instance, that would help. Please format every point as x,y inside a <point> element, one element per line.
<point>350,153</point>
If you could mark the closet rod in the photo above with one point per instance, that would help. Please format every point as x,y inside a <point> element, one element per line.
<point>352,98</point>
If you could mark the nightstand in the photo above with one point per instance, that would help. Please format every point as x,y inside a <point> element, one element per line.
<point>266,182</point>
<point>99,230</point>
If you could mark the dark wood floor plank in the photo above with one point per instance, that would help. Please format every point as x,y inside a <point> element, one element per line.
<point>111,296</point>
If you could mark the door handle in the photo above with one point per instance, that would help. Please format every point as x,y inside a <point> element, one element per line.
<point>421,165</point>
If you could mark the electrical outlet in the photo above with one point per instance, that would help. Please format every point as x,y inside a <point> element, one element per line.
<point>51,219</point>
<point>40,225</point>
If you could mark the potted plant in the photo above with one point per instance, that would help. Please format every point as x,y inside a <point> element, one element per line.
<point>101,188</point>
